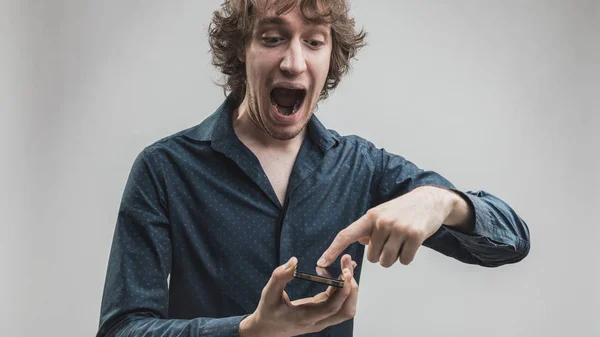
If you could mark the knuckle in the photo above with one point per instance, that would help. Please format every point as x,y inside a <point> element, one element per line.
<point>415,233</point>
<point>384,220</point>
<point>373,213</point>
<point>398,230</point>
<point>274,275</point>
<point>277,272</point>
<point>378,224</point>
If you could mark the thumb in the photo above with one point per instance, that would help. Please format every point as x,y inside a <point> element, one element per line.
<point>283,274</point>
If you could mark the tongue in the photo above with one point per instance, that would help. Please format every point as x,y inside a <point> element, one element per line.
<point>286,97</point>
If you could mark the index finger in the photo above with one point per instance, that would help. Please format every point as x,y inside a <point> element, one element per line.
<point>347,311</point>
<point>359,229</point>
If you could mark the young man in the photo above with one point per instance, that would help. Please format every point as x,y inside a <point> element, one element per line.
<point>229,208</point>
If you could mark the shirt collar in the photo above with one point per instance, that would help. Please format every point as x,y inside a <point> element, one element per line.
<point>218,128</point>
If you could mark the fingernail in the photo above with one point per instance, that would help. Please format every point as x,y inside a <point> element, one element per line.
<point>288,264</point>
<point>321,262</point>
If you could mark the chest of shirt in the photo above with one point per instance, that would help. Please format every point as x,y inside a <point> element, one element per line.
<point>225,217</point>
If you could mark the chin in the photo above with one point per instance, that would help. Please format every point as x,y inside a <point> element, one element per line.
<point>285,135</point>
<point>286,132</point>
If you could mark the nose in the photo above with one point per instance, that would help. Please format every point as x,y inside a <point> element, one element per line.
<point>294,63</point>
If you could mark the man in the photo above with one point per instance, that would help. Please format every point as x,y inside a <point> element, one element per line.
<point>229,208</point>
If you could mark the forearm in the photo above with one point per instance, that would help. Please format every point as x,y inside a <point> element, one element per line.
<point>150,326</point>
<point>479,229</point>
<point>459,215</point>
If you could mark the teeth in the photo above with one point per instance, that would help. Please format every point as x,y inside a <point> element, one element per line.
<point>287,111</point>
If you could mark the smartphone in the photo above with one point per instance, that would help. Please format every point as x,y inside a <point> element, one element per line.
<point>329,276</point>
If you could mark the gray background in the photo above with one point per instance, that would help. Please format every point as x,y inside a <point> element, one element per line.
<point>500,96</point>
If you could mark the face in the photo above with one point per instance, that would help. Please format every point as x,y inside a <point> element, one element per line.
<point>287,61</point>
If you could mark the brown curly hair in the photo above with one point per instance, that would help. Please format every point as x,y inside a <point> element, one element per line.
<point>232,26</point>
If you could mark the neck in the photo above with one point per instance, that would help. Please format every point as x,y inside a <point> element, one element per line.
<point>253,136</point>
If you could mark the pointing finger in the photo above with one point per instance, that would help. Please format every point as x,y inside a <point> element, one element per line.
<point>359,229</point>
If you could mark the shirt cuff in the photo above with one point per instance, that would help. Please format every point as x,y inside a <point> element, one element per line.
<point>482,219</point>
<point>223,327</point>
<point>498,237</point>
<point>484,235</point>
<point>486,243</point>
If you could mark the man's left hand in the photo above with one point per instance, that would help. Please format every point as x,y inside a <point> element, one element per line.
<point>396,229</point>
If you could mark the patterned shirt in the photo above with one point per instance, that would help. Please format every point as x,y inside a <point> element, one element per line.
<point>200,228</point>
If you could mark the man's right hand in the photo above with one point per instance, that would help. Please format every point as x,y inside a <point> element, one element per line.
<point>277,316</point>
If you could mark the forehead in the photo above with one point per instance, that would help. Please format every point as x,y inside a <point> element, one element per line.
<point>285,12</point>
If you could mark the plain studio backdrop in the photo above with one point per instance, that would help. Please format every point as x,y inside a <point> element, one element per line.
<point>495,95</point>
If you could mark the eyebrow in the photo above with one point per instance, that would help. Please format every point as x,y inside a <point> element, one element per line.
<point>278,21</point>
<point>272,20</point>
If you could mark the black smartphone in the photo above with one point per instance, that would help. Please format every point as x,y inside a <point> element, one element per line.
<point>329,276</point>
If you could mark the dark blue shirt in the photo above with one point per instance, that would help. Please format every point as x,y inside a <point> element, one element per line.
<point>200,229</point>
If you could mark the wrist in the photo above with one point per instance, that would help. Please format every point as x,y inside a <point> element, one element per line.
<point>460,214</point>
<point>445,200</point>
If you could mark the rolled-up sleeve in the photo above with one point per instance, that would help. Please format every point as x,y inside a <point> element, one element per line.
<point>500,235</point>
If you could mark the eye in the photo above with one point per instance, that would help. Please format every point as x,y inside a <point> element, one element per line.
<point>271,41</point>
<point>315,43</point>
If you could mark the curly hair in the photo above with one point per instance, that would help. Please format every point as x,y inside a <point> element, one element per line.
<point>232,27</point>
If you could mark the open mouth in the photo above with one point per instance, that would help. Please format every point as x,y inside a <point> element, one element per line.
<point>287,101</point>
